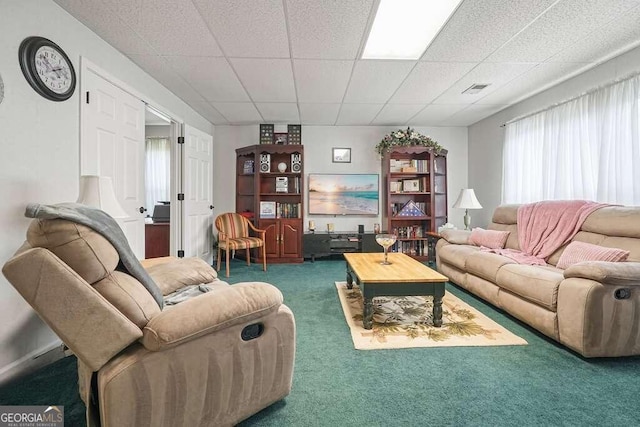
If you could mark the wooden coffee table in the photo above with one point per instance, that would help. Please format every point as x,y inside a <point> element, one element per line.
<point>404,277</point>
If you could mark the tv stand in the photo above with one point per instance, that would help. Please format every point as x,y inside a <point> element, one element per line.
<point>323,244</point>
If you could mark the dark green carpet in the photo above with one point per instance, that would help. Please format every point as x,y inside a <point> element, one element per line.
<point>334,384</point>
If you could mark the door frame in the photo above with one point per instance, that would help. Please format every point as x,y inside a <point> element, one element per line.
<point>176,130</point>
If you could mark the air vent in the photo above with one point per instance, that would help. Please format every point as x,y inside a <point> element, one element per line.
<point>475,88</point>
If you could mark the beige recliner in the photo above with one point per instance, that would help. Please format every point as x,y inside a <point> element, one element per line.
<point>214,359</point>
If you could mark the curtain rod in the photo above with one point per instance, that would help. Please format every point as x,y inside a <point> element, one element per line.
<point>589,92</point>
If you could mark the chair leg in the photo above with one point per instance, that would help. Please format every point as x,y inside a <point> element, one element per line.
<point>248,255</point>
<point>218,267</point>
<point>227,251</point>
<point>264,258</point>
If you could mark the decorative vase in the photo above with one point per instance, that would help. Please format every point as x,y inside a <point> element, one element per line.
<point>282,166</point>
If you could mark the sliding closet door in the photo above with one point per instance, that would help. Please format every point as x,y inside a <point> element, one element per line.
<point>112,144</point>
<point>198,194</point>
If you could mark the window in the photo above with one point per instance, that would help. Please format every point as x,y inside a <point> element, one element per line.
<point>586,148</point>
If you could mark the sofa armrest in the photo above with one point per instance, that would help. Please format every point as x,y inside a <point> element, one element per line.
<point>240,303</point>
<point>612,273</point>
<point>457,237</point>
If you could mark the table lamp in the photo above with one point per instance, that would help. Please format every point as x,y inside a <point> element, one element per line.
<point>467,200</point>
<point>97,192</point>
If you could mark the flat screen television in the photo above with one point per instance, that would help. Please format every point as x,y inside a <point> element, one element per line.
<point>343,194</point>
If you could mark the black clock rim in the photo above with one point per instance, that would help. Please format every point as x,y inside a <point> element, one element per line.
<point>26,55</point>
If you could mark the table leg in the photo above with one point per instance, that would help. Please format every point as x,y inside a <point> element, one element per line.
<point>349,277</point>
<point>437,311</point>
<point>367,313</point>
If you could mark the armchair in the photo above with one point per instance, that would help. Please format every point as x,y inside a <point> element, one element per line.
<point>233,233</point>
<point>214,359</point>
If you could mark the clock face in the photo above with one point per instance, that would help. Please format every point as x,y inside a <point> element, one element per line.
<point>53,69</point>
<point>47,68</point>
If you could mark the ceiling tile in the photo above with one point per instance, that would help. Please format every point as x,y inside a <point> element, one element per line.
<point>238,112</point>
<point>128,10</point>
<point>208,112</point>
<point>479,27</point>
<point>213,78</point>
<point>101,20</point>
<point>434,114</point>
<point>283,112</point>
<point>327,30</point>
<point>604,42</point>
<point>430,79</point>
<point>397,114</point>
<point>318,114</point>
<point>494,74</point>
<point>247,29</point>
<point>472,114</point>
<point>562,25</point>
<point>266,80</point>
<point>320,81</point>
<point>358,114</point>
<point>158,68</point>
<point>535,80</point>
<point>174,27</point>
<point>375,81</point>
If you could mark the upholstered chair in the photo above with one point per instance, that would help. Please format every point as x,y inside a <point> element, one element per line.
<point>215,357</point>
<point>233,234</point>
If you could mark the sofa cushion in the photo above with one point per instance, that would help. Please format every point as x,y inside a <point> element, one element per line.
<point>456,255</point>
<point>492,239</point>
<point>577,252</point>
<point>129,297</point>
<point>81,248</point>
<point>534,283</point>
<point>486,264</point>
<point>458,237</point>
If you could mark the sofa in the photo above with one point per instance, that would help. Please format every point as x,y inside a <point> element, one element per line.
<point>212,354</point>
<point>591,307</point>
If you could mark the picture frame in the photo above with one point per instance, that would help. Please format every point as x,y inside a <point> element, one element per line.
<point>267,209</point>
<point>341,155</point>
<point>281,138</point>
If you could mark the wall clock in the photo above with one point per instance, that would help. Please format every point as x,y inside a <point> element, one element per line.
<point>47,68</point>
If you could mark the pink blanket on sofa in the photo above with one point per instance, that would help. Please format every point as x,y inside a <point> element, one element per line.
<point>543,227</point>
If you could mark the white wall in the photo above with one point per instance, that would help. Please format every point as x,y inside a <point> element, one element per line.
<point>40,147</point>
<point>486,137</point>
<point>157,131</point>
<point>318,141</point>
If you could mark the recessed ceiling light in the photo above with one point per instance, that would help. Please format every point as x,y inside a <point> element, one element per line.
<point>403,29</point>
<point>475,88</point>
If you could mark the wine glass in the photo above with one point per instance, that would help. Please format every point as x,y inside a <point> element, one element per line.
<point>386,241</point>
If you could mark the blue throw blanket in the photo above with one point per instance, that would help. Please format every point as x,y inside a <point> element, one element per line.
<point>106,226</point>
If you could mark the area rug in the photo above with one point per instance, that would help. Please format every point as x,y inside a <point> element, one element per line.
<point>406,322</point>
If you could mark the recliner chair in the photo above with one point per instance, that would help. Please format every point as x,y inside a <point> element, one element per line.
<point>214,359</point>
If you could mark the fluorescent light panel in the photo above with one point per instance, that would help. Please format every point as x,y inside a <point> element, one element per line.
<point>403,29</point>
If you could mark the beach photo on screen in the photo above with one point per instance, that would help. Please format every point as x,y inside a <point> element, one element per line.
<point>343,194</point>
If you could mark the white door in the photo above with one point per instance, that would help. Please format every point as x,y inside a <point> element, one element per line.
<point>198,194</point>
<point>112,144</point>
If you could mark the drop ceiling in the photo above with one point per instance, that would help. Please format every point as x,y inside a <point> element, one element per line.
<point>297,61</point>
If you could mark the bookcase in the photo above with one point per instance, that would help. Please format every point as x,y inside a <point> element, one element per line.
<point>414,197</point>
<point>269,183</point>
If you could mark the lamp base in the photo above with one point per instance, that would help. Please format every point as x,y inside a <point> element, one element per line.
<point>467,220</point>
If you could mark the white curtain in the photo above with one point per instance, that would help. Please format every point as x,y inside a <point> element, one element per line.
<point>587,148</point>
<point>157,171</point>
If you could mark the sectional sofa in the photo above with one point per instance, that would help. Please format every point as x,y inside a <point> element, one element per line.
<point>592,307</point>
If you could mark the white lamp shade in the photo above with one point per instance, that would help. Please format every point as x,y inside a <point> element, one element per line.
<point>97,192</point>
<point>467,200</point>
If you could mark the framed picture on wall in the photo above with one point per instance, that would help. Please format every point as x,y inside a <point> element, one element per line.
<point>341,155</point>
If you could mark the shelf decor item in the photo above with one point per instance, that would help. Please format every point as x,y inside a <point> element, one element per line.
<point>266,133</point>
<point>406,138</point>
<point>295,134</point>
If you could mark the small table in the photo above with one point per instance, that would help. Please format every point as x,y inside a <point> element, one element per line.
<point>432,239</point>
<point>404,277</point>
